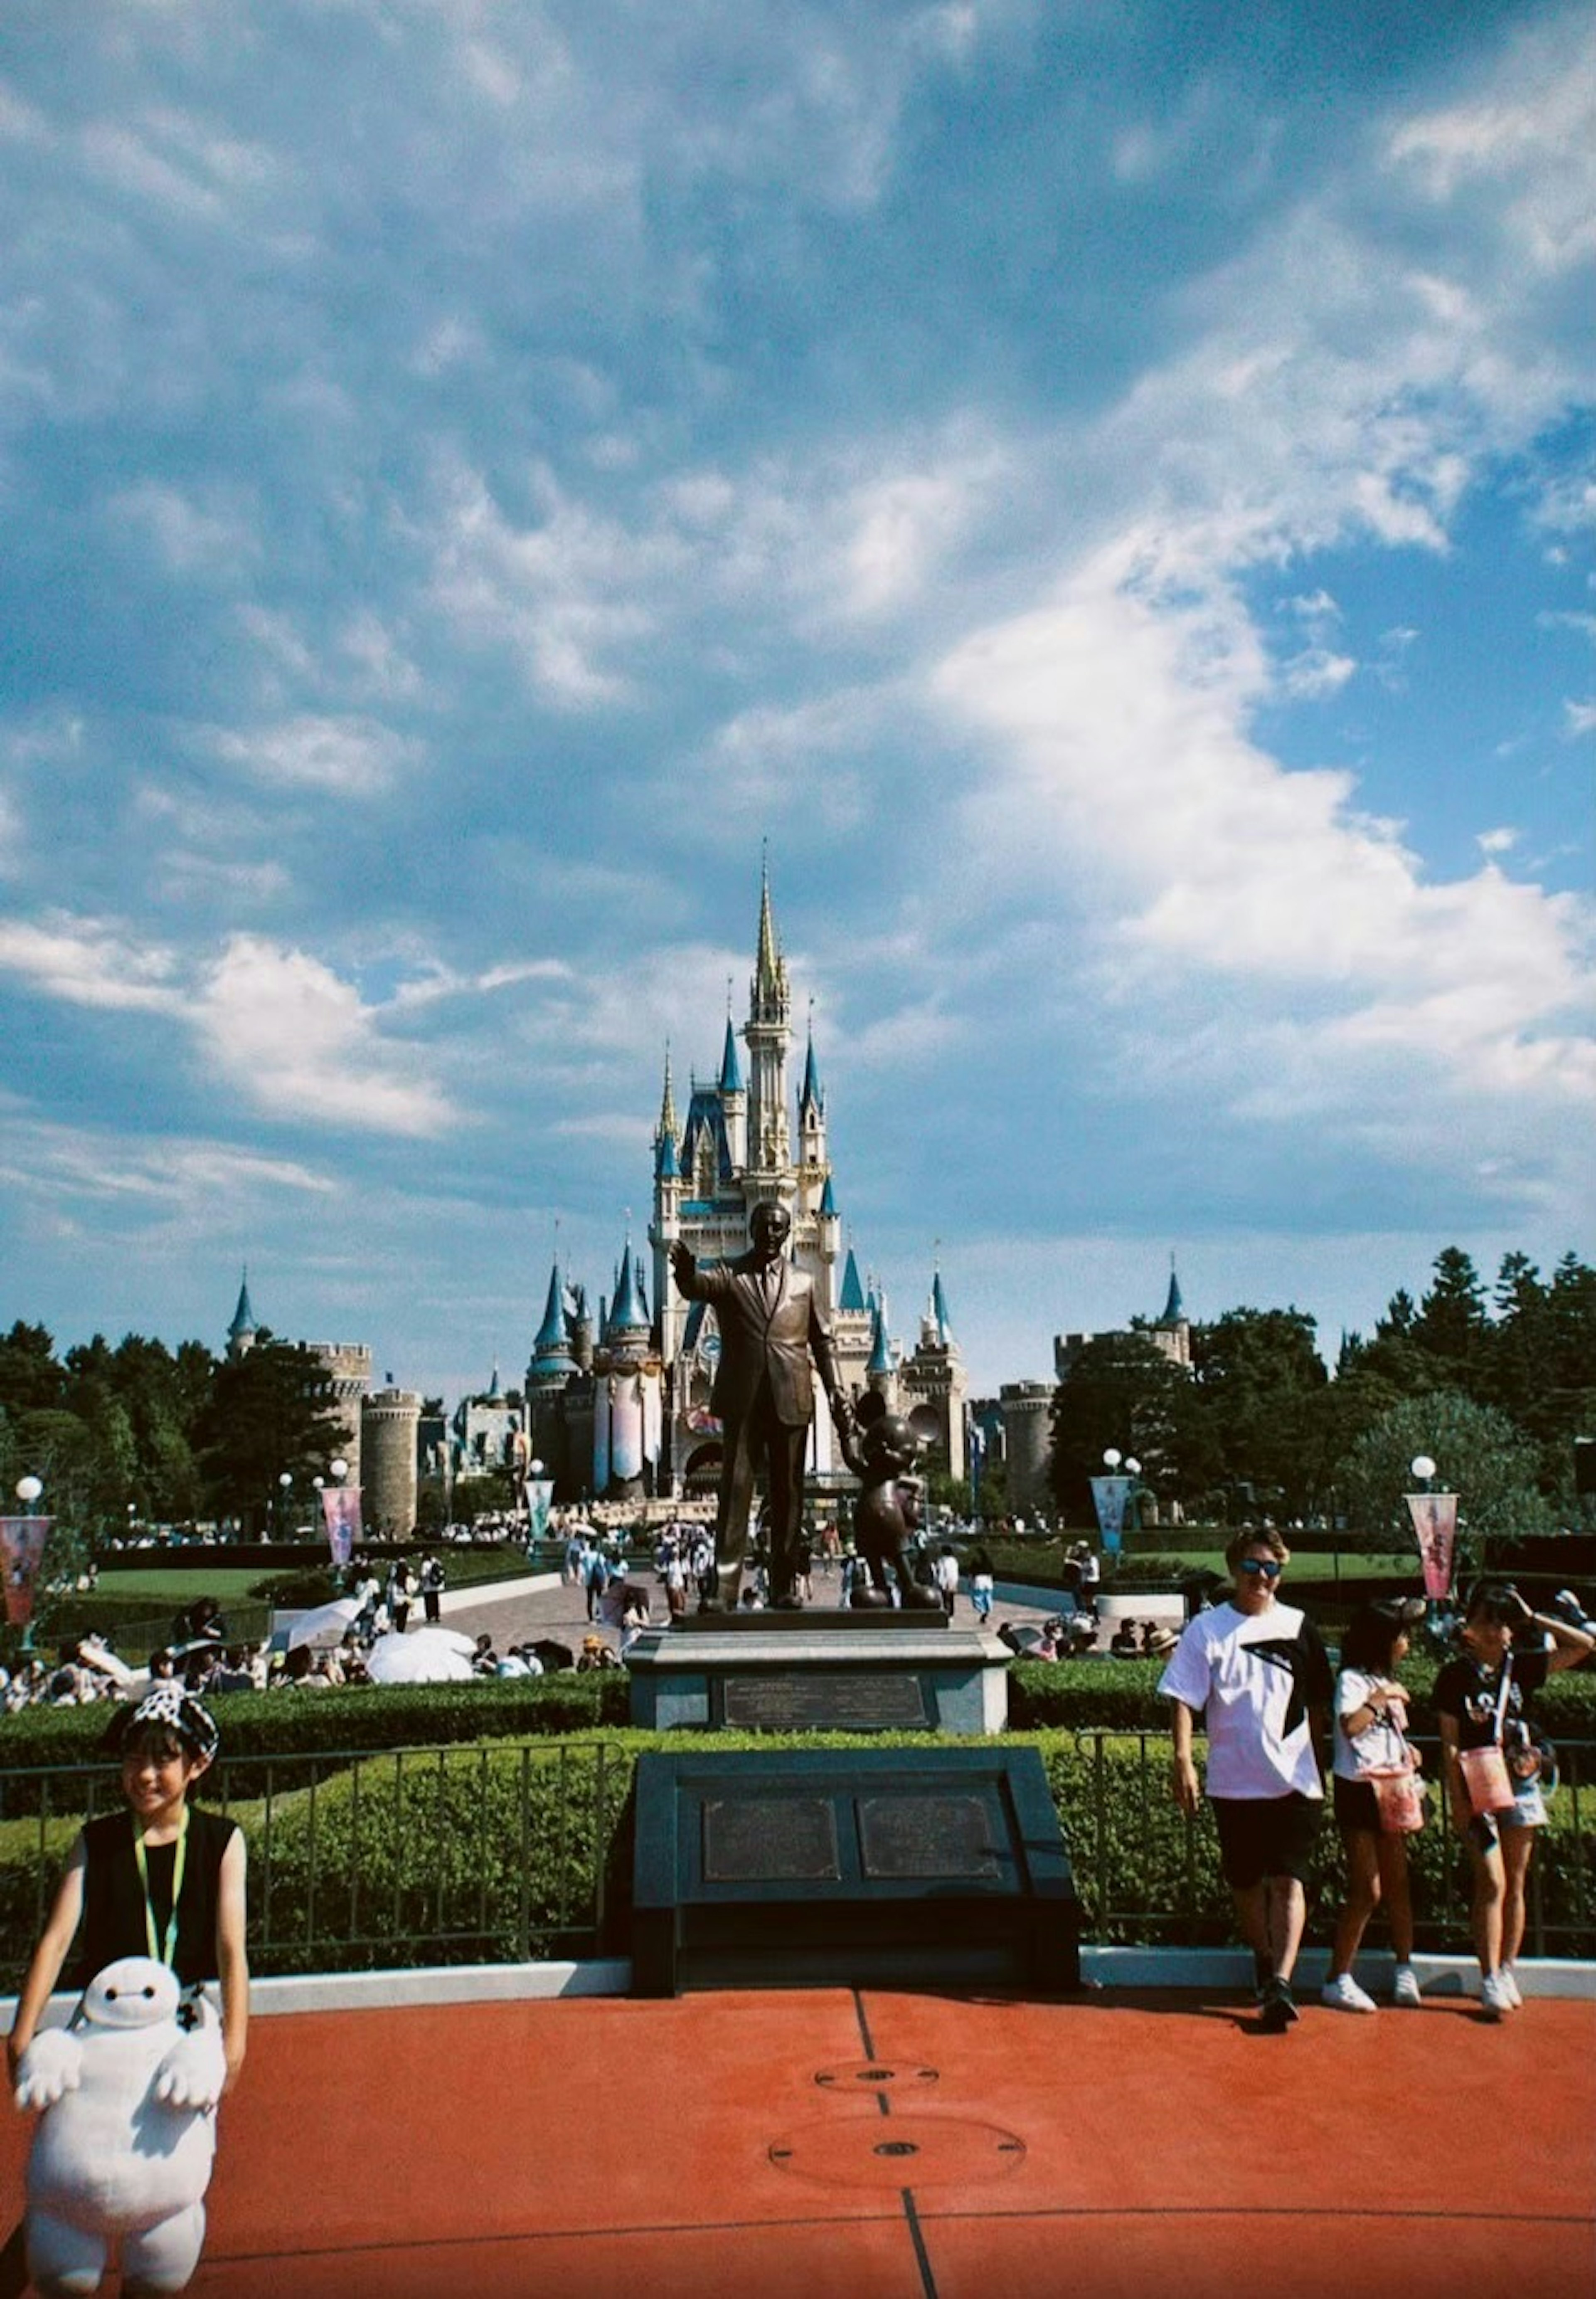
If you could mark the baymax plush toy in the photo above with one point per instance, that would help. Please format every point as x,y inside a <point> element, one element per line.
<point>125,2144</point>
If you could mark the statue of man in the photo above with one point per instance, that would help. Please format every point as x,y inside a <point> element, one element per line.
<point>764,1393</point>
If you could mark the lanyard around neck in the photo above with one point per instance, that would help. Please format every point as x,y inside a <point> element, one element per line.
<point>162,1954</point>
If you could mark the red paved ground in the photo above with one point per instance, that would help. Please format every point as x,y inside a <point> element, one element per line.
<point>788,2146</point>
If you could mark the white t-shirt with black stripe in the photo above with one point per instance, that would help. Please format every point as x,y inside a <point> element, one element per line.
<point>1256,1675</point>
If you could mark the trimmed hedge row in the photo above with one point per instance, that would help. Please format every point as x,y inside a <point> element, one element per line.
<point>1060,1696</point>
<point>357,1717</point>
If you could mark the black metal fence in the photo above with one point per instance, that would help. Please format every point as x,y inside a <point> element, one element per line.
<point>478,1852</point>
<point>1148,1873</point>
<point>513,1851</point>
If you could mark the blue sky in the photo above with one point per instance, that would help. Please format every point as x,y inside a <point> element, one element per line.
<point>1107,491</point>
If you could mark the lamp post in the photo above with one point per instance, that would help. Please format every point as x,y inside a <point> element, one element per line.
<point>284,1484</point>
<point>28,1490</point>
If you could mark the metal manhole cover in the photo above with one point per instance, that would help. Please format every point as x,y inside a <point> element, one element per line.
<point>870,2075</point>
<point>904,2151</point>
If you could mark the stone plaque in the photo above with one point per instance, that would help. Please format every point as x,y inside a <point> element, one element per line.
<point>771,1840</point>
<point>781,1701</point>
<point>913,1836</point>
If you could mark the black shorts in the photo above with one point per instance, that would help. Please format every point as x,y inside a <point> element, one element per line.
<point>1266,1835</point>
<point>1356,1805</point>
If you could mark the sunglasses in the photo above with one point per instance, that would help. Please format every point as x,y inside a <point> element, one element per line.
<point>1265,1565</point>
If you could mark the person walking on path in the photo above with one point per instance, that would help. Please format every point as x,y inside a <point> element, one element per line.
<point>1371,1747</point>
<point>1491,1766</point>
<point>1257,1669</point>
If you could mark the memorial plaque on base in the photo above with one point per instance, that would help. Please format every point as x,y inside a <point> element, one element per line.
<point>895,1867</point>
<point>926,1836</point>
<point>770,1840</point>
<point>843,1701</point>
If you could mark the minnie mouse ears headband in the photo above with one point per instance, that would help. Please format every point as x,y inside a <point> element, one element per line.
<point>168,1703</point>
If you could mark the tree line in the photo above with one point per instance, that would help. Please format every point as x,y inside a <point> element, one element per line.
<point>140,1432</point>
<point>1494,1387</point>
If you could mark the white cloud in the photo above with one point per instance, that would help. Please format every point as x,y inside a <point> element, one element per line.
<point>1119,723</point>
<point>87,962</point>
<point>290,1036</point>
<point>1579,717</point>
<point>190,536</point>
<point>66,1164</point>
<point>295,1039</point>
<point>1497,841</point>
<point>350,757</point>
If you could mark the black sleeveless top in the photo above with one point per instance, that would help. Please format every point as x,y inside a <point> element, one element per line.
<point>114,1900</point>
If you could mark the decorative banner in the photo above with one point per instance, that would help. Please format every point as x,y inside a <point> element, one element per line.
<point>626,1428</point>
<point>1110,1498</point>
<point>1435,1526</point>
<point>21,1547</point>
<point>340,1506</point>
<point>653,1413</point>
<point>540,1496</point>
<point>601,1437</point>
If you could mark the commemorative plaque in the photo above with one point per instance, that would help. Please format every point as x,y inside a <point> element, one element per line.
<point>840,1701</point>
<point>770,1840</point>
<point>940,1866</point>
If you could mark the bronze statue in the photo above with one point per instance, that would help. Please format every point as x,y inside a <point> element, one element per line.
<point>764,1393</point>
<point>881,1449</point>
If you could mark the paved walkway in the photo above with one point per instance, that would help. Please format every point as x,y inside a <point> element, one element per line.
<point>512,1611</point>
<point>878,2146</point>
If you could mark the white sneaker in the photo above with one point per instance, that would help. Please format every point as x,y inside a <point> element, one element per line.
<point>1494,2000</point>
<point>1345,1994</point>
<point>1505,1973</point>
<point>1405,1989</point>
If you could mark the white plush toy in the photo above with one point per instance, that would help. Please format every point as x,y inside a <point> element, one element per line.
<point>124,2148</point>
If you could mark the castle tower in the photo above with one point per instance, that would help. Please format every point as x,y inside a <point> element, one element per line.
<point>665,1227</point>
<point>388,1420</point>
<point>349,1366</point>
<point>734,1101</point>
<point>935,1387</point>
<point>242,1331</point>
<point>1173,1332</point>
<point>768,1036</point>
<point>1027,1440</point>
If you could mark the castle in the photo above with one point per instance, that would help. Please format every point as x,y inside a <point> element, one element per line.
<point>619,1406</point>
<point>616,1405</point>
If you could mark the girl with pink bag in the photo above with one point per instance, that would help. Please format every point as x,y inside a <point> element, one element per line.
<point>1378,1802</point>
<point>1492,1766</point>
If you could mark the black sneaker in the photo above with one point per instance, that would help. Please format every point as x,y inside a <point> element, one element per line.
<point>1279,2008</point>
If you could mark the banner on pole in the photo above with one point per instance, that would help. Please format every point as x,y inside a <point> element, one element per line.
<point>540,1498</point>
<point>21,1550</point>
<point>340,1506</point>
<point>1111,1497</point>
<point>1435,1528</point>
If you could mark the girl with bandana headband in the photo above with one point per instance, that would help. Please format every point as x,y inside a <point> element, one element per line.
<point>162,1879</point>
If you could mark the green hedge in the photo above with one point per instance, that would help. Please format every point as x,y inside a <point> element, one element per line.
<point>353,1717</point>
<point>1077,1694</point>
<point>397,1866</point>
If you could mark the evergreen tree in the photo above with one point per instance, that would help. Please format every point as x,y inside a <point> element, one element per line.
<point>271,1410</point>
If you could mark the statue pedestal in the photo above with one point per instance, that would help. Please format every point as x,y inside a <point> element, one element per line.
<point>938,1867</point>
<point>818,1671</point>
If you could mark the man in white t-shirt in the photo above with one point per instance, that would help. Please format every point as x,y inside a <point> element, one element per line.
<point>1255,1669</point>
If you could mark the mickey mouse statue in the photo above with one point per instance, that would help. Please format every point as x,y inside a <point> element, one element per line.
<point>125,2144</point>
<point>879,1449</point>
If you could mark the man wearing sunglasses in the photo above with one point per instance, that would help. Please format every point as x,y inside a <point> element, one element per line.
<point>1256,1671</point>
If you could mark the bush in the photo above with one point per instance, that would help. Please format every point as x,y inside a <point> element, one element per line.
<point>299,1591</point>
<point>354,1718</point>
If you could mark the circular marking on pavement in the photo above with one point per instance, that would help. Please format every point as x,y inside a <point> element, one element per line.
<point>907,2151</point>
<point>870,2075</point>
